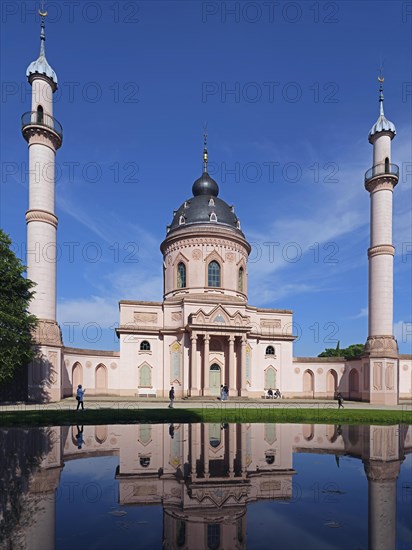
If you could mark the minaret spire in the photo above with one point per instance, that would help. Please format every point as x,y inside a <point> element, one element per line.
<point>43,14</point>
<point>205,156</point>
<point>41,65</point>
<point>381,80</point>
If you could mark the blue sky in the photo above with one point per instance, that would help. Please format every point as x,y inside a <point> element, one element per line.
<point>289,92</point>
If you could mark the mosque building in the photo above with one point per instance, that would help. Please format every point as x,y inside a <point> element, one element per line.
<point>204,334</point>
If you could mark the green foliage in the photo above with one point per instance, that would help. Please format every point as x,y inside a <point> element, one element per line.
<point>16,324</point>
<point>318,413</point>
<point>351,352</point>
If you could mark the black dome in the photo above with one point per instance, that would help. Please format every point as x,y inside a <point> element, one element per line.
<point>205,185</point>
<point>205,207</point>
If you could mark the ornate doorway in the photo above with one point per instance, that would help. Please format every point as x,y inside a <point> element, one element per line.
<point>214,379</point>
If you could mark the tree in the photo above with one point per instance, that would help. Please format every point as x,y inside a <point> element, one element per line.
<point>353,351</point>
<point>16,323</point>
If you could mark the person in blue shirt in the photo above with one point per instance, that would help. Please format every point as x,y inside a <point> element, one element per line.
<point>79,437</point>
<point>79,396</point>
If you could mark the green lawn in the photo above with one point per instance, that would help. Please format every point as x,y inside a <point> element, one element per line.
<point>318,414</point>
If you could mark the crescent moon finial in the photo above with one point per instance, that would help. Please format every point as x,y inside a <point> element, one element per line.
<point>380,78</point>
<point>43,13</point>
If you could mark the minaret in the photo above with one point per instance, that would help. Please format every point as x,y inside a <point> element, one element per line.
<point>43,134</point>
<point>381,346</point>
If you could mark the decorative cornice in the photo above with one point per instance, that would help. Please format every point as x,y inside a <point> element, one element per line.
<point>47,332</point>
<point>41,216</point>
<point>381,249</point>
<point>90,352</point>
<point>382,183</point>
<point>185,242</point>
<point>381,346</point>
<point>219,236</point>
<point>41,135</point>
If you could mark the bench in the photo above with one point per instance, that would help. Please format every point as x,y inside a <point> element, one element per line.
<point>274,396</point>
<point>146,392</point>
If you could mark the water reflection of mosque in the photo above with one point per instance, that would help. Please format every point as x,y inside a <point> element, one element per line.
<point>204,475</point>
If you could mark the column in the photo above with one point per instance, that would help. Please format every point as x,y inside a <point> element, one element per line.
<point>194,385</point>
<point>243,450</point>
<point>206,389</point>
<point>231,430</point>
<point>243,366</point>
<point>206,449</point>
<point>232,375</point>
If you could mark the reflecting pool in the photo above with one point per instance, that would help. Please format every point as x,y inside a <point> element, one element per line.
<point>211,486</point>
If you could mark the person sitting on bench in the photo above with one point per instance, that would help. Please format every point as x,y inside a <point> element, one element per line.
<point>277,393</point>
<point>270,394</point>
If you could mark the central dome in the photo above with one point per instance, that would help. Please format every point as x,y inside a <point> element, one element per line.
<point>205,208</point>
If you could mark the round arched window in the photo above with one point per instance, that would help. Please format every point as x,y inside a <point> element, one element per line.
<point>181,275</point>
<point>144,461</point>
<point>213,274</point>
<point>144,346</point>
<point>270,350</point>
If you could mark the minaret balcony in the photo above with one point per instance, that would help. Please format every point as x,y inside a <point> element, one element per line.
<point>382,170</point>
<point>36,120</point>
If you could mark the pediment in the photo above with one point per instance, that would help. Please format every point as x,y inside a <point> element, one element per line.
<point>218,316</point>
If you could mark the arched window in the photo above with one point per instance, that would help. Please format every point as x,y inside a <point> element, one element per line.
<point>181,275</point>
<point>213,274</point>
<point>180,532</point>
<point>354,381</point>
<point>213,536</point>
<point>101,377</point>
<point>40,114</point>
<point>270,458</point>
<point>240,280</point>
<point>308,383</point>
<point>308,431</point>
<point>77,376</point>
<point>387,165</point>
<point>100,434</point>
<point>144,461</point>
<point>270,350</point>
<point>145,346</point>
<point>215,435</point>
<point>145,376</point>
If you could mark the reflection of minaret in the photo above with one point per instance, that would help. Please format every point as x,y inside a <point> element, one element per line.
<point>382,469</point>
<point>44,136</point>
<point>381,346</point>
<point>42,492</point>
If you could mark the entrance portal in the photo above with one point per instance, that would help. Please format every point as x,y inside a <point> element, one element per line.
<point>214,379</point>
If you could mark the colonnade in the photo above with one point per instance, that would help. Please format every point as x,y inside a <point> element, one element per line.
<point>232,368</point>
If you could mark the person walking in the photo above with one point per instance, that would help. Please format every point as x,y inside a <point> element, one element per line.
<point>79,397</point>
<point>225,393</point>
<point>171,397</point>
<point>79,437</point>
<point>340,401</point>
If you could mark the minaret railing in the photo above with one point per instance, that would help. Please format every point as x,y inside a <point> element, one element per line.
<point>37,118</point>
<point>382,169</point>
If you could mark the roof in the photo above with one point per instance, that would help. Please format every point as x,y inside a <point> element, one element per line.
<point>205,208</point>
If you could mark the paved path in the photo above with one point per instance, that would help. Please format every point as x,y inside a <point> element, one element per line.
<point>197,403</point>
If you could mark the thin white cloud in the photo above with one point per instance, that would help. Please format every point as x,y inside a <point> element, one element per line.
<point>363,313</point>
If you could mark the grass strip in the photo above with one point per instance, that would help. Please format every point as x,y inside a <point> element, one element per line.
<point>243,414</point>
